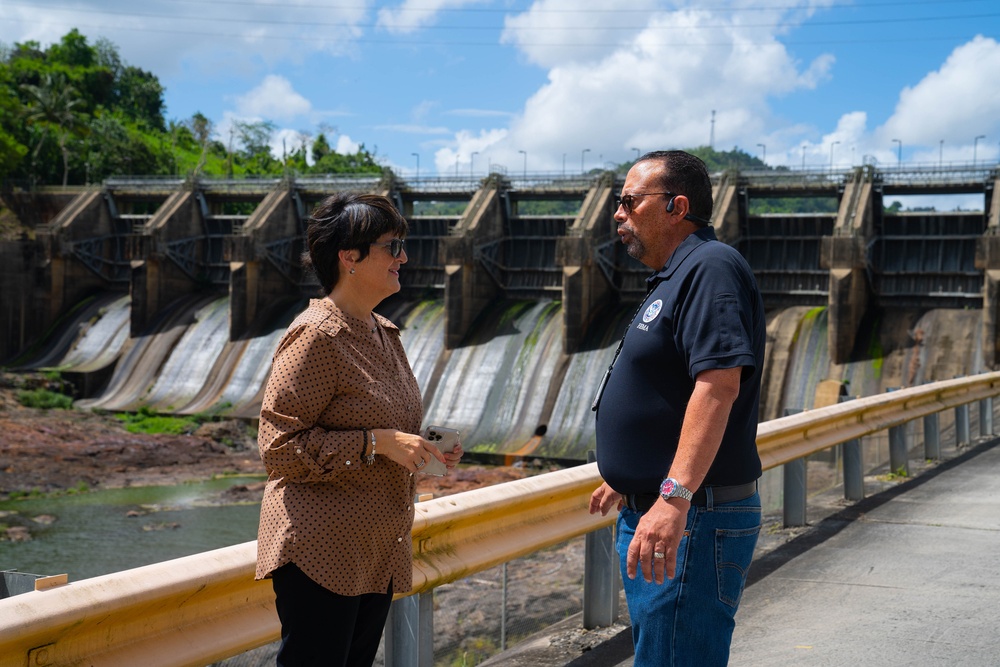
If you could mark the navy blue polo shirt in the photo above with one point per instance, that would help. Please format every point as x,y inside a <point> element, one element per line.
<point>704,311</point>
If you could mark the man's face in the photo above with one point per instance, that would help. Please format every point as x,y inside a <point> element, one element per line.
<point>643,226</point>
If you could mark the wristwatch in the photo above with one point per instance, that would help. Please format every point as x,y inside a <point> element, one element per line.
<point>671,488</point>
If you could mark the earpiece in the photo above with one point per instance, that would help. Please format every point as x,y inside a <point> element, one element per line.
<point>670,205</point>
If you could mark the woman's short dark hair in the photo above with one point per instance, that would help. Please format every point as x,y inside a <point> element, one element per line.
<point>685,174</point>
<point>347,221</point>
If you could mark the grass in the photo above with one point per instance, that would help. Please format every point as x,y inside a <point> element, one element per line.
<point>44,399</point>
<point>148,421</point>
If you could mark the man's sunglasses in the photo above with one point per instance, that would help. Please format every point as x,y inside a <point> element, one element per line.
<point>395,246</point>
<point>627,202</point>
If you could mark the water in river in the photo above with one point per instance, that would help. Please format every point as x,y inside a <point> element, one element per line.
<point>117,529</point>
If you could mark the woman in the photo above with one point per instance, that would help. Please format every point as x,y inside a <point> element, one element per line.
<point>337,435</point>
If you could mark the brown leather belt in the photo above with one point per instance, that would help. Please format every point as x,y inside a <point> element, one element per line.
<point>641,502</point>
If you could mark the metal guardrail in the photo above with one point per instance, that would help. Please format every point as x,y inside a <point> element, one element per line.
<point>202,608</point>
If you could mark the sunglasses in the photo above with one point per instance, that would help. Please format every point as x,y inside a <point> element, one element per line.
<point>627,202</point>
<point>395,246</point>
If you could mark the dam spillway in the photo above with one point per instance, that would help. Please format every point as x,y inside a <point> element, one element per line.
<point>173,296</point>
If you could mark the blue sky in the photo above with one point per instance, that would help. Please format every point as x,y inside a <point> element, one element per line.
<point>565,84</point>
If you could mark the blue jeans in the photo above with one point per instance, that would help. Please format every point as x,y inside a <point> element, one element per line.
<point>689,620</point>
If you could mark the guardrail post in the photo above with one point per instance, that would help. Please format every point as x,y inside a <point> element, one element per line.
<point>962,425</point>
<point>600,575</point>
<point>794,474</point>
<point>899,458</point>
<point>794,480</point>
<point>854,473</point>
<point>986,416</point>
<point>409,632</point>
<point>932,437</point>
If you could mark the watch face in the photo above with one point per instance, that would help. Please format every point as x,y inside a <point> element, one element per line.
<point>668,487</point>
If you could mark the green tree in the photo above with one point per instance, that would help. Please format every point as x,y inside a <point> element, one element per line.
<point>54,108</point>
<point>255,139</point>
<point>139,94</point>
<point>320,148</point>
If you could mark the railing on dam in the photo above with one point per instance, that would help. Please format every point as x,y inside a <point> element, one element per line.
<point>203,608</point>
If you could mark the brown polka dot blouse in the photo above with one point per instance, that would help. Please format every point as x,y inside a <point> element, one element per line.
<point>344,523</point>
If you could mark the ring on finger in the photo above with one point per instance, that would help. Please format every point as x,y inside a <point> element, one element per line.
<point>421,463</point>
<point>659,554</point>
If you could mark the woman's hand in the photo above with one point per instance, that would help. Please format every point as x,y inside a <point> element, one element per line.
<point>452,458</point>
<point>412,451</point>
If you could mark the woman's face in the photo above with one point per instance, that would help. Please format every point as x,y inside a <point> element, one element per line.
<point>378,273</point>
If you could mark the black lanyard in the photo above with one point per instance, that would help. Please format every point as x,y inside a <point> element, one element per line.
<point>607,373</point>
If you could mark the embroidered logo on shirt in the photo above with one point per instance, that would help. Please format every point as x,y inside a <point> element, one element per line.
<point>652,311</point>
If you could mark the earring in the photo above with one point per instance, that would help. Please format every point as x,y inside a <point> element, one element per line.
<point>352,270</point>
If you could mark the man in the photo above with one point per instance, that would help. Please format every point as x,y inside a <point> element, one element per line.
<point>677,420</point>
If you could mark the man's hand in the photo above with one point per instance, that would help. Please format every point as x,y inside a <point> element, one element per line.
<point>603,499</point>
<point>659,531</point>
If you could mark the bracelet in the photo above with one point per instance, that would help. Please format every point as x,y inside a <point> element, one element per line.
<point>364,441</point>
<point>370,459</point>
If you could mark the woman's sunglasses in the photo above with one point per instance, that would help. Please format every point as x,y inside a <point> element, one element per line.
<point>395,246</point>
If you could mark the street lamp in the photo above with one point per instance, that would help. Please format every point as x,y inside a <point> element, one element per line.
<point>636,152</point>
<point>525,164</point>
<point>472,162</point>
<point>763,153</point>
<point>975,146</point>
<point>582,154</point>
<point>899,159</point>
<point>564,165</point>
<point>940,153</point>
<point>417,155</point>
<point>832,144</point>
<point>803,157</point>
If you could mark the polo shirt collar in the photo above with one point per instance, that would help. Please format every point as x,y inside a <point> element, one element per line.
<point>687,246</point>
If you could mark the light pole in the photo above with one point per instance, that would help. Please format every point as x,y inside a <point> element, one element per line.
<point>940,153</point>
<point>763,153</point>
<point>582,154</point>
<point>417,155</point>
<point>975,146</point>
<point>636,152</point>
<point>803,157</point>
<point>525,153</point>
<point>899,159</point>
<point>472,162</point>
<point>564,165</point>
<point>832,144</point>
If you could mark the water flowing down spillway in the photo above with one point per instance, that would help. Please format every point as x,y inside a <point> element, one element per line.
<point>509,387</point>
<point>94,339</point>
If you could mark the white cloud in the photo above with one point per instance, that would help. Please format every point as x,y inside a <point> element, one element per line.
<point>163,36</point>
<point>467,143</point>
<point>345,145</point>
<point>274,99</point>
<point>555,32</point>
<point>657,88</point>
<point>415,14</point>
<point>955,103</point>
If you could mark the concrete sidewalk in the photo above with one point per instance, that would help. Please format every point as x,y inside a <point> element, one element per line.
<point>910,576</point>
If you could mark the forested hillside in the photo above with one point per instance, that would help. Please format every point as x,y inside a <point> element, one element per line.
<point>75,113</point>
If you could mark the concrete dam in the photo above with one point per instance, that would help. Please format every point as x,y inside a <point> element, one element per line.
<point>172,293</point>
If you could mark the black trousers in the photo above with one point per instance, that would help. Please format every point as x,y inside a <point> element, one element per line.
<point>321,628</point>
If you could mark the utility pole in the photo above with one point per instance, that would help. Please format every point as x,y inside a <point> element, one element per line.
<point>711,136</point>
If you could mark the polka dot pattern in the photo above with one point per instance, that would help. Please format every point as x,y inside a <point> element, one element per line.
<point>344,523</point>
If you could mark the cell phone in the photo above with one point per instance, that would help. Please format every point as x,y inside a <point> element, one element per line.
<point>444,439</point>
